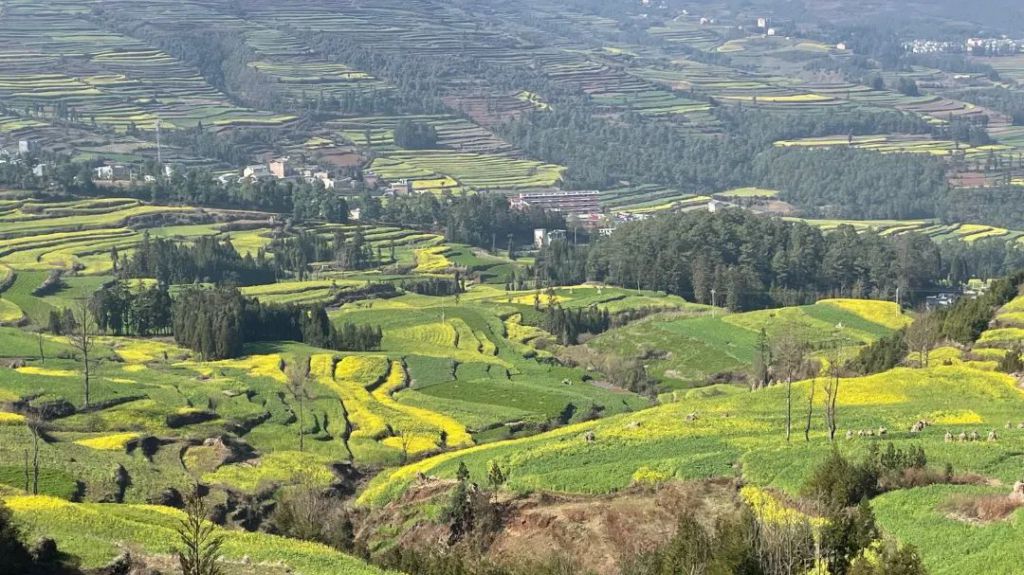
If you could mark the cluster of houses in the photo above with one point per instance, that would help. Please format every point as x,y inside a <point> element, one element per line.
<point>582,208</point>
<point>978,46</point>
<point>284,169</point>
<point>111,172</point>
<point>23,154</point>
<point>25,149</point>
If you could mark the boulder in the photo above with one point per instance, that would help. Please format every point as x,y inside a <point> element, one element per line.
<point>1018,492</point>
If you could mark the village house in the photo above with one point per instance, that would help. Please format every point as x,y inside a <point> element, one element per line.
<point>256,172</point>
<point>543,237</point>
<point>112,172</point>
<point>583,202</point>
<point>278,168</point>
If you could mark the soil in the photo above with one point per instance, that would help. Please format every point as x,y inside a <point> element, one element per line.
<point>594,532</point>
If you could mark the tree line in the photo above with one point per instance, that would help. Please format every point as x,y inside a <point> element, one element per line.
<point>216,323</point>
<point>207,259</point>
<point>483,220</point>
<point>746,261</point>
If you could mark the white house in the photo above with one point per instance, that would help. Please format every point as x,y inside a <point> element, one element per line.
<point>112,172</point>
<point>257,172</point>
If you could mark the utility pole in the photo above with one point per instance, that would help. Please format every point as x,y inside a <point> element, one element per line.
<point>713,308</point>
<point>159,155</point>
<point>897,299</point>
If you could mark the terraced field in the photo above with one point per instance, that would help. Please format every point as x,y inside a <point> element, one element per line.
<point>452,132</point>
<point>930,228</point>
<point>61,57</point>
<point>79,236</point>
<point>890,144</point>
<point>471,378</point>
<point>472,171</point>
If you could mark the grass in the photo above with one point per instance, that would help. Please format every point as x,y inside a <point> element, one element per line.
<point>10,313</point>
<point>687,351</point>
<point>276,467</point>
<point>948,545</point>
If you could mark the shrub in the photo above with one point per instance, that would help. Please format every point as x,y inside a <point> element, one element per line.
<point>308,512</point>
<point>845,534</point>
<point>881,355</point>
<point>838,483</point>
<point>888,558</point>
<point>1011,362</point>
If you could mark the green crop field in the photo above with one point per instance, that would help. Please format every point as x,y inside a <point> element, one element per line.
<point>687,351</point>
<point>748,427</point>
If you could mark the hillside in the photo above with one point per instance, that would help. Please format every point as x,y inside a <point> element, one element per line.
<point>453,287</point>
<point>96,532</point>
<point>741,434</point>
<point>688,351</point>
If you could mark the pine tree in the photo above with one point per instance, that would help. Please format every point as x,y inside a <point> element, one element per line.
<point>200,547</point>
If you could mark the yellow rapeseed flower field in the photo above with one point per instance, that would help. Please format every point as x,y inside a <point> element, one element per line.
<point>432,260</point>
<point>770,510</point>
<point>114,442</point>
<point>11,418</point>
<point>36,370</point>
<point>881,312</point>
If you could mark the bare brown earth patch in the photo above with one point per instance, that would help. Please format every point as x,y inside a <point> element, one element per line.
<point>594,532</point>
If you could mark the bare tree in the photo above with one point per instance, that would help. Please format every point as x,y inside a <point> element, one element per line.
<point>790,356</point>
<point>832,384</point>
<point>923,335</point>
<point>810,409</point>
<point>82,337</point>
<point>36,426</point>
<point>762,368</point>
<point>407,437</point>
<point>298,374</point>
<point>785,547</point>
